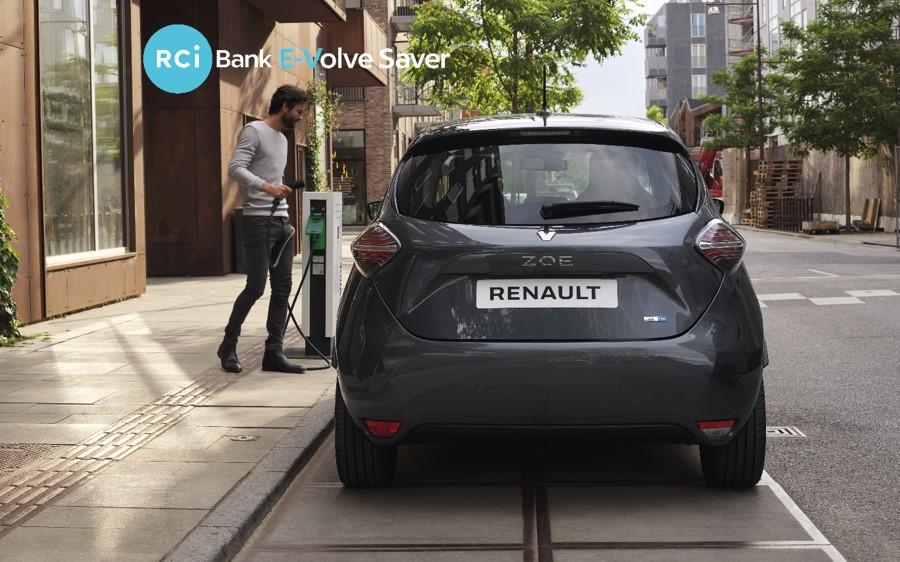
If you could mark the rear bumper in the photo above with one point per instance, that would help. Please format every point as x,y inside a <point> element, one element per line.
<point>646,390</point>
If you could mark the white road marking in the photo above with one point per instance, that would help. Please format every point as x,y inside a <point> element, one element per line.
<point>763,305</point>
<point>781,297</point>
<point>825,273</point>
<point>818,538</point>
<point>873,293</point>
<point>828,301</point>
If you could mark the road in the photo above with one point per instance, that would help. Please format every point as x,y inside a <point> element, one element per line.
<point>832,316</point>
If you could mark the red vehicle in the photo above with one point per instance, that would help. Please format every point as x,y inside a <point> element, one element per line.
<point>711,168</point>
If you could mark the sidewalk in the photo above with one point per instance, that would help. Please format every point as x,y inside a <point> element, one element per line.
<point>119,434</point>
<point>873,238</point>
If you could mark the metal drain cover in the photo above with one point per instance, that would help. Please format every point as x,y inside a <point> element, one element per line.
<point>244,437</point>
<point>783,431</point>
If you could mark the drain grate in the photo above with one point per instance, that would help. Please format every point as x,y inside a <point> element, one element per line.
<point>14,456</point>
<point>783,431</point>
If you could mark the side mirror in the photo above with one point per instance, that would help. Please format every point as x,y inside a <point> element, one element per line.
<point>373,209</point>
<point>720,205</point>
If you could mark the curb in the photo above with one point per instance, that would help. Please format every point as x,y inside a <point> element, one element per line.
<point>225,529</point>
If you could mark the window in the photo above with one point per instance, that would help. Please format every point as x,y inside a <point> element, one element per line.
<point>349,173</point>
<point>661,21</point>
<point>698,55</point>
<point>81,128</point>
<point>698,85</point>
<point>698,25</point>
<point>656,52</point>
<point>508,184</point>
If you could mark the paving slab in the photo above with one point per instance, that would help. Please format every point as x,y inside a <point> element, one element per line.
<point>669,514</point>
<point>196,486</point>
<point>51,433</point>
<point>235,417</point>
<point>171,521</point>
<point>274,390</point>
<point>804,554</point>
<point>333,516</point>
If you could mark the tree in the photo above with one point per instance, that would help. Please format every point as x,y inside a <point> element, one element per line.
<point>739,126</point>
<point>498,49</point>
<point>842,81</point>
<point>656,113</point>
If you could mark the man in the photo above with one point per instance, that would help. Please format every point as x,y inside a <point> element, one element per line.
<point>257,165</point>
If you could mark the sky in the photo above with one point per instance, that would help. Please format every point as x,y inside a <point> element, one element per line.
<point>616,86</point>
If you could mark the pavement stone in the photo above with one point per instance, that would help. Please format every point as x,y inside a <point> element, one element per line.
<point>94,369</point>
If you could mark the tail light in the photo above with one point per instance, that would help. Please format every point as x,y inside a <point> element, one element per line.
<point>721,245</point>
<point>383,428</point>
<point>716,428</point>
<point>374,248</point>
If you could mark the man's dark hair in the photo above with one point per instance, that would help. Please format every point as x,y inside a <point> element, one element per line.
<point>290,95</point>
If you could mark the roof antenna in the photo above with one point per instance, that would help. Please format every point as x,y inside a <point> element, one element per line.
<point>544,112</point>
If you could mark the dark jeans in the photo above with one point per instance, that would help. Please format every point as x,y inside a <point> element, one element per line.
<point>260,257</point>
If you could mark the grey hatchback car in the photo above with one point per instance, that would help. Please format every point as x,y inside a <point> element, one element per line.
<point>485,302</point>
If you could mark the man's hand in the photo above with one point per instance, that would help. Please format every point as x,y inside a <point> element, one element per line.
<point>276,190</point>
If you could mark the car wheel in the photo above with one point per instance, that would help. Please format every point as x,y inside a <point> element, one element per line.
<point>739,463</point>
<point>360,463</point>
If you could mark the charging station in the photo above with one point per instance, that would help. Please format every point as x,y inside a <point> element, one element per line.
<point>321,227</point>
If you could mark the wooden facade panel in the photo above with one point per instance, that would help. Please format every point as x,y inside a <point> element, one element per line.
<point>12,23</point>
<point>14,129</point>
<point>78,288</point>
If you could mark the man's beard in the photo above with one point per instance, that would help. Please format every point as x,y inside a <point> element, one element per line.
<point>288,122</point>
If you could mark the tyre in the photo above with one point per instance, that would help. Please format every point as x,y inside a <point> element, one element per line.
<point>739,463</point>
<point>360,463</point>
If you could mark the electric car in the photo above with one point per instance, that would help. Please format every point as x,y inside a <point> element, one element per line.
<point>484,304</point>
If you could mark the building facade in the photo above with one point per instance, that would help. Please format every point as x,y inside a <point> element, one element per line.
<point>685,44</point>
<point>111,179</point>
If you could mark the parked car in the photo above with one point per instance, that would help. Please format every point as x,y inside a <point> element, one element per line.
<point>480,306</point>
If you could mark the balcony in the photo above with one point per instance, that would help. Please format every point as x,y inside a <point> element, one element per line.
<point>359,34</point>
<point>740,47</point>
<point>412,101</point>
<point>655,37</point>
<point>740,14</point>
<point>404,14</point>
<point>291,11</point>
<point>655,67</point>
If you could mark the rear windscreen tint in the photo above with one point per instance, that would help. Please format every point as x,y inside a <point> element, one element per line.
<point>509,184</point>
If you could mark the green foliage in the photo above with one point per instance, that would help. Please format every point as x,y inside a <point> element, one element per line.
<point>498,49</point>
<point>656,113</point>
<point>326,110</point>
<point>841,78</point>
<point>9,266</point>
<point>740,126</point>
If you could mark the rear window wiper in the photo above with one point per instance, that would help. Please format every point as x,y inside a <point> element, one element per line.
<point>584,208</point>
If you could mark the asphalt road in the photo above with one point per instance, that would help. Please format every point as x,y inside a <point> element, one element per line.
<point>832,316</point>
<point>835,374</point>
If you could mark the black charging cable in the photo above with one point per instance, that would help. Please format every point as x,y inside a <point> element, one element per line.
<point>326,358</point>
<point>295,186</point>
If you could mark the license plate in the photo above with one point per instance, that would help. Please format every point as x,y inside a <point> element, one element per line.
<point>547,293</point>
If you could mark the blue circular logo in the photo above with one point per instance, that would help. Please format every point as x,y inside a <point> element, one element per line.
<point>178,59</point>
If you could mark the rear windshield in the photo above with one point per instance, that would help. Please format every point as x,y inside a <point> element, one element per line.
<point>509,184</point>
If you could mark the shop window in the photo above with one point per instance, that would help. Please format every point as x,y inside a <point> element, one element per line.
<point>349,173</point>
<point>81,128</point>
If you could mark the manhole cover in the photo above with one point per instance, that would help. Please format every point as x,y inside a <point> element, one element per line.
<point>14,456</point>
<point>784,431</point>
<point>244,437</point>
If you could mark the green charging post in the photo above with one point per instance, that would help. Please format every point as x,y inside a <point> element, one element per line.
<point>315,229</point>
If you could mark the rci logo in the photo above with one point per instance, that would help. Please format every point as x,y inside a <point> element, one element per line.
<point>178,59</point>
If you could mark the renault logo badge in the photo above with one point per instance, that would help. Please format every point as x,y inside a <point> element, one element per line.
<point>546,234</point>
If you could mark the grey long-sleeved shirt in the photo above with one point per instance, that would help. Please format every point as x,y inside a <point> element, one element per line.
<point>259,157</point>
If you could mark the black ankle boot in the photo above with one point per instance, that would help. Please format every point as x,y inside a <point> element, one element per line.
<point>277,361</point>
<point>228,355</point>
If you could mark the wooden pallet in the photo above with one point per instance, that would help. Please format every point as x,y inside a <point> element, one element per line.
<point>820,227</point>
